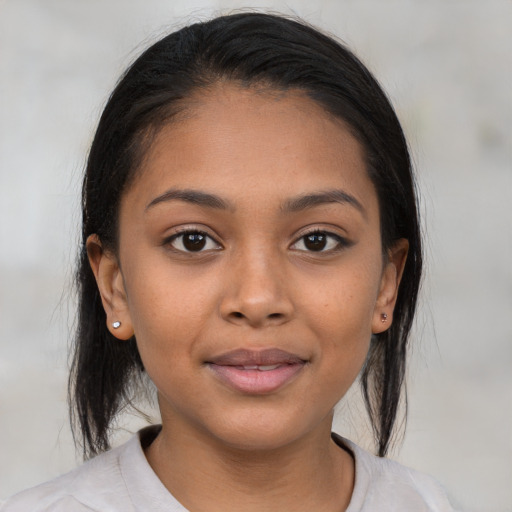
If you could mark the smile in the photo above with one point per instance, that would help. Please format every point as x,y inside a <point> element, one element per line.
<point>256,372</point>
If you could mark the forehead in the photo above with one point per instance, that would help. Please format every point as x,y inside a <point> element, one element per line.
<point>248,141</point>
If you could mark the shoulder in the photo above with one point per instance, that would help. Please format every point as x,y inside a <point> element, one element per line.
<point>120,480</point>
<point>385,485</point>
<point>96,485</point>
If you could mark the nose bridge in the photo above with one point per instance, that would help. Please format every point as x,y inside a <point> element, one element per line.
<point>256,293</point>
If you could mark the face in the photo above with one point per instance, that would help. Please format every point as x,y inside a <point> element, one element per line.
<point>250,267</point>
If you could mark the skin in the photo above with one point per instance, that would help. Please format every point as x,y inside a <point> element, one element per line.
<point>256,285</point>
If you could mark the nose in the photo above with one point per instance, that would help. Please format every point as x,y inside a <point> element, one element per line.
<point>257,292</point>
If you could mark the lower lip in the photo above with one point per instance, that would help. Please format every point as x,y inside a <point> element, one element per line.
<point>256,382</point>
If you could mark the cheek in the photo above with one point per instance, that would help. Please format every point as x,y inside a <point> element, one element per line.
<point>340,314</point>
<point>159,290</point>
<point>170,313</point>
<point>345,299</point>
<point>167,309</point>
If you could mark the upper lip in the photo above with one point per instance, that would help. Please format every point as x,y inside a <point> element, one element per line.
<point>247,357</point>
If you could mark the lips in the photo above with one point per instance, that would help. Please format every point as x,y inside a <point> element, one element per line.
<point>256,372</point>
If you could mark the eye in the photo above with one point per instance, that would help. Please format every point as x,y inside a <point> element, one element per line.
<point>192,241</point>
<point>319,241</point>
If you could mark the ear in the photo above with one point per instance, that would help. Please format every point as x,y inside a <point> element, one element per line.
<point>390,281</point>
<point>110,283</point>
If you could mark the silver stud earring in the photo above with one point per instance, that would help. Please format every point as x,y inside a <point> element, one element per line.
<point>384,317</point>
<point>116,325</point>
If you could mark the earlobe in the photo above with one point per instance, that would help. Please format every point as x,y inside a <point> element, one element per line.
<point>109,279</point>
<point>390,282</point>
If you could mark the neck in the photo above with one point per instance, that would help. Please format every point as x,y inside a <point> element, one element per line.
<point>310,473</point>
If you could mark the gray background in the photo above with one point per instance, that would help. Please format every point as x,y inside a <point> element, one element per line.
<point>447,65</point>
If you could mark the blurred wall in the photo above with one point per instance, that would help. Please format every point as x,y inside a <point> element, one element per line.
<point>447,67</point>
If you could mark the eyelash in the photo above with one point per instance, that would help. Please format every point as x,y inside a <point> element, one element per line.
<point>339,241</point>
<point>180,237</point>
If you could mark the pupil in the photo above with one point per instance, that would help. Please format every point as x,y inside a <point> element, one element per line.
<point>194,241</point>
<point>316,242</point>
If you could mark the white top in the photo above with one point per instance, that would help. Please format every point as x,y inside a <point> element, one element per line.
<point>121,480</point>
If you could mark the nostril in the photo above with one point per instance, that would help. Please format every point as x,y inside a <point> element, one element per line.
<point>275,316</point>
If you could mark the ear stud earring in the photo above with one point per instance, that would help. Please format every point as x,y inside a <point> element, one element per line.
<point>383,317</point>
<point>116,325</point>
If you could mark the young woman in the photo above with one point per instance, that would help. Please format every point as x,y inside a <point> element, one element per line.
<point>250,243</point>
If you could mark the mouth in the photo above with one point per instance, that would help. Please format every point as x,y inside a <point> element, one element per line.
<point>256,372</point>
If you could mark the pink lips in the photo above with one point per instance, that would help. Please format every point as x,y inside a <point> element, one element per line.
<point>256,372</point>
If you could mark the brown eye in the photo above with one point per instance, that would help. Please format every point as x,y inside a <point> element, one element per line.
<point>320,241</point>
<point>315,241</point>
<point>193,241</point>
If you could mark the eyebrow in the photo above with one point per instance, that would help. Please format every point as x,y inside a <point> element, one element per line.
<point>320,198</point>
<point>292,205</point>
<point>193,197</point>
